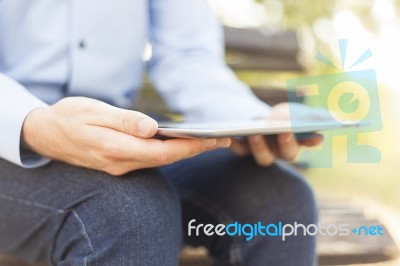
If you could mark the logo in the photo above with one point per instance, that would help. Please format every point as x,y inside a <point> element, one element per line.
<point>348,96</point>
<point>281,230</point>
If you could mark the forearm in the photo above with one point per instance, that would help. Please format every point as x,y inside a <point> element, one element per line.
<point>202,88</point>
<point>187,65</point>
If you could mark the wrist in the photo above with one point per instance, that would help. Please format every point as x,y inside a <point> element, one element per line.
<point>29,133</point>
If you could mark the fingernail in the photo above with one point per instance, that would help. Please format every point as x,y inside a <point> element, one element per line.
<point>285,138</point>
<point>145,125</point>
<point>256,139</point>
<point>209,143</point>
<point>224,143</point>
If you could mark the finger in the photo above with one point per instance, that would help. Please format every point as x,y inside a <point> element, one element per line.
<point>260,150</point>
<point>127,121</point>
<point>221,143</point>
<point>122,147</point>
<point>314,141</point>
<point>288,146</point>
<point>240,147</point>
<point>122,157</point>
<point>159,153</point>
<point>272,144</point>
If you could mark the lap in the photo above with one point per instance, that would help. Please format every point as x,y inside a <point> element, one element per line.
<point>232,185</point>
<point>215,187</point>
<point>46,211</point>
<point>219,187</point>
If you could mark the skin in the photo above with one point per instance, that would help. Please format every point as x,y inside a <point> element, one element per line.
<point>92,134</point>
<point>118,141</point>
<point>266,149</point>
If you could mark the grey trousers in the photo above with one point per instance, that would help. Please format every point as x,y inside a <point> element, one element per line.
<point>65,215</point>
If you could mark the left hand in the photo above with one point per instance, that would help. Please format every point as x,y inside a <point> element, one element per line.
<point>266,149</point>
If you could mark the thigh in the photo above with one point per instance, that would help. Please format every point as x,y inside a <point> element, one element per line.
<point>219,187</point>
<point>68,216</point>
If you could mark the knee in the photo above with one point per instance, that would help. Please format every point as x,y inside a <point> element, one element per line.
<point>139,211</point>
<point>294,199</point>
<point>143,201</point>
<point>276,193</point>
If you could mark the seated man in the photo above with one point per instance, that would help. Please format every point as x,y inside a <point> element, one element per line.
<point>83,181</point>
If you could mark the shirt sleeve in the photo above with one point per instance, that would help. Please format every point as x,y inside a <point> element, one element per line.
<point>15,104</point>
<point>187,65</point>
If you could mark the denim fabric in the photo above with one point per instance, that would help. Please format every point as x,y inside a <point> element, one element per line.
<point>66,215</point>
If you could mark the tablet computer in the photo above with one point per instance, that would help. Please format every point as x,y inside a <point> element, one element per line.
<point>249,128</point>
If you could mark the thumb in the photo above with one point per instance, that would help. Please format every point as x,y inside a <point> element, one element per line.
<point>127,121</point>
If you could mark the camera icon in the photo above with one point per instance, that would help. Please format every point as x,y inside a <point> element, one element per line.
<point>351,95</point>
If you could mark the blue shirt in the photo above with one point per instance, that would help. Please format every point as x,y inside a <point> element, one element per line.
<point>50,49</point>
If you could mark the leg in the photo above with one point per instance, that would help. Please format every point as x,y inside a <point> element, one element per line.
<point>71,216</point>
<point>218,187</point>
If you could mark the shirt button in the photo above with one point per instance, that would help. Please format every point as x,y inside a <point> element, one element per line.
<point>82,44</point>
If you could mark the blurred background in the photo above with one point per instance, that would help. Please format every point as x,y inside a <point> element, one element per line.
<point>318,25</point>
<point>271,41</point>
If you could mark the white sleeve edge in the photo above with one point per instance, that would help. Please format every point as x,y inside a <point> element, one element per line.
<point>15,104</point>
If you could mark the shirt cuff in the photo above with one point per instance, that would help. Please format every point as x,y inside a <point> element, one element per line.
<point>15,104</point>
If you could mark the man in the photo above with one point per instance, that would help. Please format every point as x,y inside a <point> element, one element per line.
<point>107,197</point>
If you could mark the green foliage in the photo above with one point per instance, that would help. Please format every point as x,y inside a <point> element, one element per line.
<point>305,13</point>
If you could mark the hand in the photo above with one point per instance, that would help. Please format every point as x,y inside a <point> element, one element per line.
<point>92,134</point>
<point>266,149</point>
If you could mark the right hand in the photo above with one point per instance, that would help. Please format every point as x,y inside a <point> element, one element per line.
<point>92,134</point>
